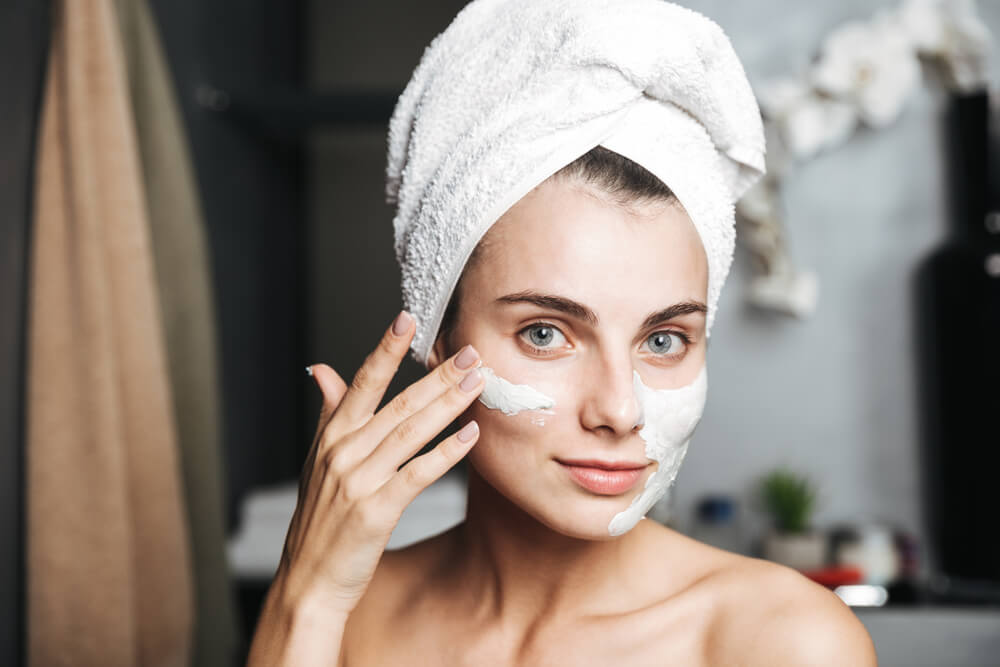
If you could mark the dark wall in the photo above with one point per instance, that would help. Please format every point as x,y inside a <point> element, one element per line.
<point>23,42</point>
<point>354,287</point>
<point>226,56</point>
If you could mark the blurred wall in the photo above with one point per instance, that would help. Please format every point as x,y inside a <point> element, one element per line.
<point>249,180</point>
<point>353,280</point>
<point>832,395</point>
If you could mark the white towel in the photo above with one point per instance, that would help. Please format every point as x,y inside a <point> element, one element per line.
<point>513,90</point>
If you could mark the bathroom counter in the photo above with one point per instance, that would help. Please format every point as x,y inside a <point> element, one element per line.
<point>934,636</point>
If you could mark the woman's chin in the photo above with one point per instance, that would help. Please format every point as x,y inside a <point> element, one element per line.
<point>583,518</point>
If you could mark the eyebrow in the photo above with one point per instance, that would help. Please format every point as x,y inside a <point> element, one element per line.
<point>581,312</point>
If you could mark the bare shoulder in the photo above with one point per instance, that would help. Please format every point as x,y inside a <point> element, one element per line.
<point>773,615</point>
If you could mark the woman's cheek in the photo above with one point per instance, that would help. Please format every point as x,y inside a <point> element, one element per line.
<point>514,448</point>
<point>513,410</point>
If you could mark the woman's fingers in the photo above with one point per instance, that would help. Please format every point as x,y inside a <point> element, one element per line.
<point>418,429</point>
<point>373,378</point>
<point>427,468</point>
<point>420,394</point>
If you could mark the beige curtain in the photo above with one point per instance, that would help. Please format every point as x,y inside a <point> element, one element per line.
<point>121,370</point>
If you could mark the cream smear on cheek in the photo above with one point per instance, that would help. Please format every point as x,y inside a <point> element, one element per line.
<point>510,398</point>
<point>669,417</point>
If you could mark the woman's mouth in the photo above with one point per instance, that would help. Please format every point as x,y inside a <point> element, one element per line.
<point>604,477</point>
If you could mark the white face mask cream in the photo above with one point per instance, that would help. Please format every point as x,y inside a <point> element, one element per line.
<point>510,398</point>
<point>669,417</point>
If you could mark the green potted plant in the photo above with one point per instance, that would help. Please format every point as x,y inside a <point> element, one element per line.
<point>790,499</point>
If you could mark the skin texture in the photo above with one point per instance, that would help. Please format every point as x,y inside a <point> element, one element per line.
<point>532,576</point>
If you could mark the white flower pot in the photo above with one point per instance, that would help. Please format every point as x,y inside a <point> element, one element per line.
<point>802,551</point>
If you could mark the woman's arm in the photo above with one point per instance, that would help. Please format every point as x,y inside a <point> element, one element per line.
<point>290,633</point>
<point>353,491</point>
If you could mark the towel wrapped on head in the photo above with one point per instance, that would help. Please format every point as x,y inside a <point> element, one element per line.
<point>513,90</point>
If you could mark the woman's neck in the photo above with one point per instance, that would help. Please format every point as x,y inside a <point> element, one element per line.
<point>511,567</point>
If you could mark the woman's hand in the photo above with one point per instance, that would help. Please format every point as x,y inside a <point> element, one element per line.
<point>353,491</point>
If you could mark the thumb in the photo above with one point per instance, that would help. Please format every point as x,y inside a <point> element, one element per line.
<point>333,388</point>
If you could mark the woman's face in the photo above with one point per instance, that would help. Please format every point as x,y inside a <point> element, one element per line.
<point>571,295</point>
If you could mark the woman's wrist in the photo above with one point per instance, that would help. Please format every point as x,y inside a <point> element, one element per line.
<point>296,630</point>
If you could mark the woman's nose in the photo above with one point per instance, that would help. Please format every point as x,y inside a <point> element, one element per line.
<point>610,403</point>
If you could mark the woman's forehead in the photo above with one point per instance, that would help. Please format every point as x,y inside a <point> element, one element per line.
<point>566,240</point>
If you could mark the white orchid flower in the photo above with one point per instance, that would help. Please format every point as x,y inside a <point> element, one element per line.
<point>951,31</point>
<point>818,123</point>
<point>808,122</point>
<point>871,65</point>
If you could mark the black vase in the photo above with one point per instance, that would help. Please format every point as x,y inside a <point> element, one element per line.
<point>958,344</point>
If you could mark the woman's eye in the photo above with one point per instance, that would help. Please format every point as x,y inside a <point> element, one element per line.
<point>666,343</point>
<point>542,335</point>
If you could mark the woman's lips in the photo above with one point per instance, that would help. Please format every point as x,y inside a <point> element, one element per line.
<point>606,479</point>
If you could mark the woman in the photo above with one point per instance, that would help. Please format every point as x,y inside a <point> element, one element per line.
<point>591,295</point>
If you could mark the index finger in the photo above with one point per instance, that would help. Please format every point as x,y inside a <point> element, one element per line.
<point>380,366</point>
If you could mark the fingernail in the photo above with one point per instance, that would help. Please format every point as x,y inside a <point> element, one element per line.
<point>470,381</point>
<point>309,371</point>
<point>466,358</point>
<point>468,431</point>
<point>402,323</point>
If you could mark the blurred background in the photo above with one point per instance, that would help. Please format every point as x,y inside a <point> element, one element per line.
<point>851,428</point>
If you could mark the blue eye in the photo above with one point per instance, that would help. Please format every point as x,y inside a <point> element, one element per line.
<point>542,335</point>
<point>662,342</point>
